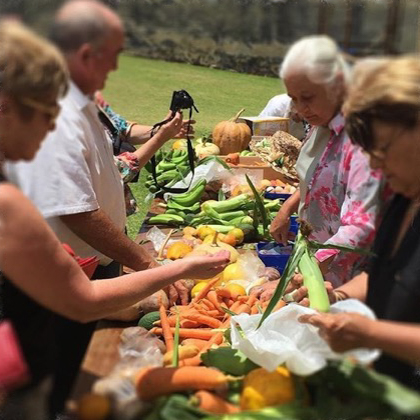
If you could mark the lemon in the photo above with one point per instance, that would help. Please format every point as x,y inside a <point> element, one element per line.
<point>262,388</point>
<point>238,234</point>
<point>180,144</point>
<point>235,288</point>
<point>204,231</point>
<point>233,272</point>
<point>198,288</point>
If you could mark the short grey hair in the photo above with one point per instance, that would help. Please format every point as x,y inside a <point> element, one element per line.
<point>318,58</point>
<point>84,25</point>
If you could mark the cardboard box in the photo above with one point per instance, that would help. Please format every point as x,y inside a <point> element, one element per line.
<point>266,126</point>
<point>256,166</point>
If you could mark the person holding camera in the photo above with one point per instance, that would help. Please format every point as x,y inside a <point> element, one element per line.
<point>125,134</point>
<point>73,180</point>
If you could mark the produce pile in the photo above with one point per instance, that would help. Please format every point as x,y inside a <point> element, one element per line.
<point>180,362</point>
<point>281,151</point>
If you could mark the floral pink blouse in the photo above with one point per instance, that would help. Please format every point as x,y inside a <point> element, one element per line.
<point>343,203</point>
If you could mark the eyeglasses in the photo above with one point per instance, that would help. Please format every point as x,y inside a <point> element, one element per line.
<point>51,110</point>
<point>381,153</point>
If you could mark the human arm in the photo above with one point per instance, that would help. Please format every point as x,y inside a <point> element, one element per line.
<point>129,164</point>
<point>34,260</point>
<point>97,230</point>
<point>346,331</point>
<point>280,224</point>
<point>140,134</point>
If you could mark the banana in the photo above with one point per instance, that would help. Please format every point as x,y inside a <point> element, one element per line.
<point>166,219</point>
<point>191,197</point>
<point>190,209</point>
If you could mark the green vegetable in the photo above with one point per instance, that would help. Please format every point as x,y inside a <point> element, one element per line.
<point>192,196</point>
<point>234,203</point>
<point>147,320</point>
<point>166,219</point>
<point>228,360</point>
<point>313,280</point>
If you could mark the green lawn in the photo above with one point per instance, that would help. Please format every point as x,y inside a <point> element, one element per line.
<point>141,90</point>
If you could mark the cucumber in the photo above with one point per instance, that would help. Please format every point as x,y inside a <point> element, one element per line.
<point>146,321</point>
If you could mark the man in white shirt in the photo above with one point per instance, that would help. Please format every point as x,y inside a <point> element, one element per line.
<point>282,106</point>
<point>73,179</point>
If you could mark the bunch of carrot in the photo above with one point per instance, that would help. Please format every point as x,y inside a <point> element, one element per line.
<point>202,322</point>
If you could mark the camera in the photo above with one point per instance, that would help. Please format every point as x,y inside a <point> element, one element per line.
<point>181,99</point>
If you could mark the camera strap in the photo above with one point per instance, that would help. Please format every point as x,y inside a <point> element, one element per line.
<point>191,156</point>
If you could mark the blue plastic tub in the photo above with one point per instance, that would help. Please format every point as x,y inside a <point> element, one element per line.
<point>275,196</point>
<point>274,255</point>
<point>294,225</point>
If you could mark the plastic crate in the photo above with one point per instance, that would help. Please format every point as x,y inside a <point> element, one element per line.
<point>275,196</point>
<point>278,260</point>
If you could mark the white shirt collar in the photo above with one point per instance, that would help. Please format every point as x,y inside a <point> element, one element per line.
<point>81,100</point>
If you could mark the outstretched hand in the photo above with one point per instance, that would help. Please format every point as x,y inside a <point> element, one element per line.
<point>206,266</point>
<point>342,332</point>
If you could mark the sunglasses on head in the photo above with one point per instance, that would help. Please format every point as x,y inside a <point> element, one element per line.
<point>51,110</point>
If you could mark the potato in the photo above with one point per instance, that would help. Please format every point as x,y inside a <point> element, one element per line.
<point>149,304</point>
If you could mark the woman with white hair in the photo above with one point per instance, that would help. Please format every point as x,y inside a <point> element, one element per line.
<point>339,195</point>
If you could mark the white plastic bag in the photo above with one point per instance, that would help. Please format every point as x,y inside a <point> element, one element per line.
<point>283,339</point>
<point>210,171</point>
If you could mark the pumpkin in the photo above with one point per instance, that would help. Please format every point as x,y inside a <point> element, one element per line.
<point>205,148</point>
<point>178,250</point>
<point>232,136</point>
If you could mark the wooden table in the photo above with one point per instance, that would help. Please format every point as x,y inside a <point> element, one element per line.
<point>102,353</point>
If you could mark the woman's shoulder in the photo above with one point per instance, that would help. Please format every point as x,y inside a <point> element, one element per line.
<point>13,202</point>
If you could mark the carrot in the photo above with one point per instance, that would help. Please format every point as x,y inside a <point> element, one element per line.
<point>166,329</point>
<point>251,300</point>
<point>201,333</point>
<point>194,342</point>
<point>179,308</point>
<point>215,313</point>
<point>242,298</point>
<point>223,292</point>
<point>230,302</point>
<point>244,308</point>
<point>203,292</point>
<point>152,382</point>
<point>254,310</point>
<point>196,360</point>
<point>235,306</point>
<point>212,297</point>
<point>184,352</point>
<point>189,323</point>
<point>208,304</point>
<point>204,319</point>
<point>212,403</point>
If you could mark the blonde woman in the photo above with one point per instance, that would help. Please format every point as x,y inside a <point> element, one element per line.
<point>383,117</point>
<point>39,279</point>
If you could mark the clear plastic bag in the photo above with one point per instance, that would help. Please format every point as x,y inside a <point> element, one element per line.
<point>283,339</point>
<point>138,348</point>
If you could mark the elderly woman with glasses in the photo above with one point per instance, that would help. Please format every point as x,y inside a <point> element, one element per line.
<point>339,195</point>
<point>383,117</point>
<point>40,281</point>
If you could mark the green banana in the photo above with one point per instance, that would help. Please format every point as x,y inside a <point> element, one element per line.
<point>192,196</point>
<point>191,209</point>
<point>177,212</point>
<point>165,166</point>
<point>166,219</point>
